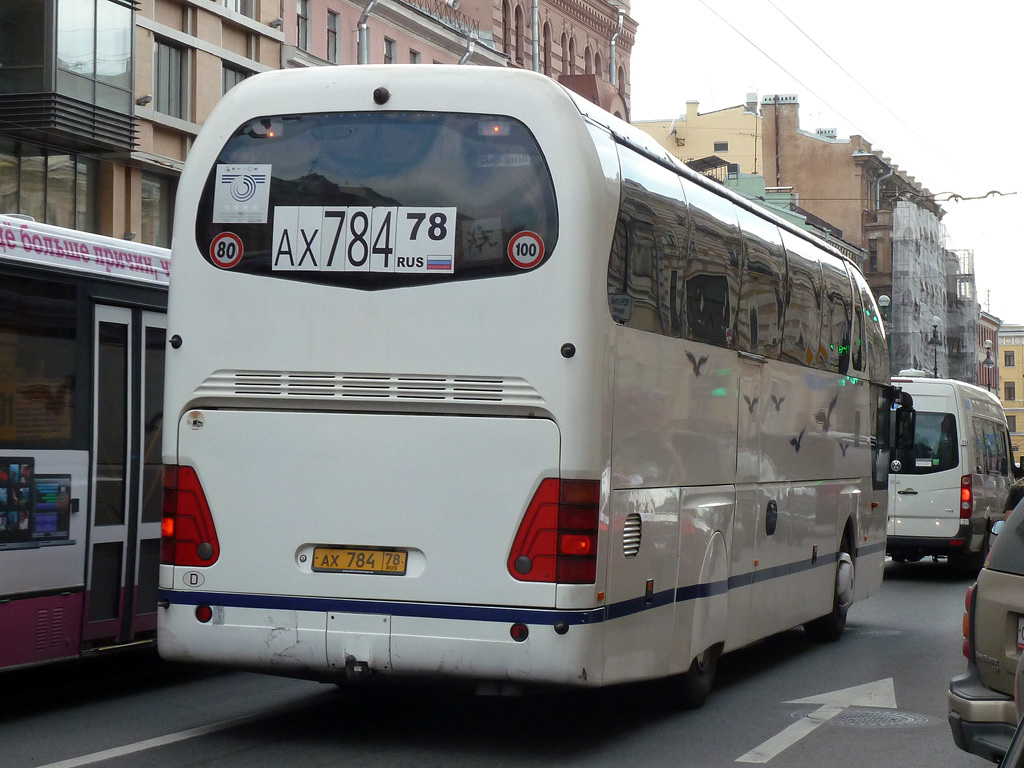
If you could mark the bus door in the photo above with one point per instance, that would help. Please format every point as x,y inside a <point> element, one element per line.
<point>124,523</point>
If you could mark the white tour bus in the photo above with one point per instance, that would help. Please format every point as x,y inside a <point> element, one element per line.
<point>82,348</point>
<point>471,379</point>
<point>953,484</point>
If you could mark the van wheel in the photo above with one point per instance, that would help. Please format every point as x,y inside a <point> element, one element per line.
<point>829,628</point>
<point>693,687</point>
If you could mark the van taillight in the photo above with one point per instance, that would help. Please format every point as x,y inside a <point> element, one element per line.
<point>966,497</point>
<point>557,539</point>
<point>188,536</point>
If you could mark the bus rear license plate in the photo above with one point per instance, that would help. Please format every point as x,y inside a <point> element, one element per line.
<point>363,560</point>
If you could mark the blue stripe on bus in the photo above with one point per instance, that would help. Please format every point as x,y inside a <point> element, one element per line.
<point>534,616</point>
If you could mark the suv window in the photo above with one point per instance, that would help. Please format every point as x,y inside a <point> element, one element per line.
<point>935,444</point>
<point>378,200</point>
<point>1007,552</point>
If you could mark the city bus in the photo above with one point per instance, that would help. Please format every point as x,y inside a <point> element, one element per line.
<point>470,379</point>
<point>82,341</point>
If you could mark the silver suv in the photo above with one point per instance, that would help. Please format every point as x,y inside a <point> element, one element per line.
<point>981,701</point>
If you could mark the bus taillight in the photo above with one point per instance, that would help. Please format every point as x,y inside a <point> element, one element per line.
<point>557,539</point>
<point>966,497</point>
<point>187,531</point>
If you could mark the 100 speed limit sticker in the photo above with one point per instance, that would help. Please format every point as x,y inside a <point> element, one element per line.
<point>526,249</point>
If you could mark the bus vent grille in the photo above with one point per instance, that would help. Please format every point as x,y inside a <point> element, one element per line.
<point>631,533</point>
<point>368,387</point>
<point>49,629</point>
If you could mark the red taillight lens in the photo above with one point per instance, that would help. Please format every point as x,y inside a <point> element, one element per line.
<point>187,530</point>
<point>557,539</point>
<point>966,497</point>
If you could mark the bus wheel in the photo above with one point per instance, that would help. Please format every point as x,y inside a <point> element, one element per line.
<point>829,628</point>
<point>694,686</point>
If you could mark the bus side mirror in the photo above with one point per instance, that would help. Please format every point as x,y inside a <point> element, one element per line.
<point>906,422</point>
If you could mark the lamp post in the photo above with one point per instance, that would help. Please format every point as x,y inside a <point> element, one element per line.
<point>936,342</point>
<point>885,307</point>
<point>988,364</point>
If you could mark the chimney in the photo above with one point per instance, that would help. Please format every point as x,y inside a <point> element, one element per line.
<point>691,110</point>
<point>751,103</point>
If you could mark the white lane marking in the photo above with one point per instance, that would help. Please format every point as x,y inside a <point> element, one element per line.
<point>878,694</point>
<point>171,738</point>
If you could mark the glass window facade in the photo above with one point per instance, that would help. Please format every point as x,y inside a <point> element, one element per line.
<point>94,52</point>
<point>157,209</point>
<point>169,80</point>
<point>50,186</point>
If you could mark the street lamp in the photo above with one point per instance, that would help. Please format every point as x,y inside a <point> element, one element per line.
<point>936,342</point>
<point>884,306</point>
<point>988,363</point>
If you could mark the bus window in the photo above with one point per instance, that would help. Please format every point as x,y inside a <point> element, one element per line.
<point>653,213</point>
<point>802,325</point>
<point>762,287</point>
<point>837,312</point>
<point>711,277</point>
<point>378,200</point>
<point>37,363</point>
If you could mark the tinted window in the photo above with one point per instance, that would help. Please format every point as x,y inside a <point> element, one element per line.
<point>37,363</point>
<point>1008,550</point>
<point>836,315</point>
<point>762,299</point>
<point>711,276</point>
<point>802,323</point>
<point>379,200</point>
<point>647,261</point>
<point>935,444</point>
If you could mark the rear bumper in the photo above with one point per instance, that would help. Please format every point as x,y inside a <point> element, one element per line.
<point>982,720</point>
<point>967,540</point>
<point>560,647</point>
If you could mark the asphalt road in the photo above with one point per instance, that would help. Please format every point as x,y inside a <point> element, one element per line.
<point>776,701</point>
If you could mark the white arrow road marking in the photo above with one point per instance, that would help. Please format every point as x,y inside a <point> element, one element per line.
<point>879,694</point>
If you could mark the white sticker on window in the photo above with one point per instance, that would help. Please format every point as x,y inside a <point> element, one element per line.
<point>241,194</point>
<point>364,239</point>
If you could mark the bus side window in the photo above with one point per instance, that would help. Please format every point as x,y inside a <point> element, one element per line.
<point>802,326</point>
<point>836,316</point>
<point>762,288</point>
<point>647,251</point>
<point>712,269</point>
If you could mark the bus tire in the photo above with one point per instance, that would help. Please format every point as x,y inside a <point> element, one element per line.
<point>694,686</point>
<point>829,628</point>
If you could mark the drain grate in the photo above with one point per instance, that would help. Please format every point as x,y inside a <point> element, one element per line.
<point>878,718</point>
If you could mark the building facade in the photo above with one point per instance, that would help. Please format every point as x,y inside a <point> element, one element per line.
<point>1010,364</point>
<point>732,134</point>
<point>101,100</point>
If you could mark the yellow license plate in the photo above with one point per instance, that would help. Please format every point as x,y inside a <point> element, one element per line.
<point>360,560</point>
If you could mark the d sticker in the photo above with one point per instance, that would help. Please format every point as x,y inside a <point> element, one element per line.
<point>526,249</point>
<point>226,250</point>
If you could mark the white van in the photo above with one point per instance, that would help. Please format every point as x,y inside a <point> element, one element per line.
<point>947,491</point>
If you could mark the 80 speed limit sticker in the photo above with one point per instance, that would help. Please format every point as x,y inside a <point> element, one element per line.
<point>226,250</point>
<point>526,249</point>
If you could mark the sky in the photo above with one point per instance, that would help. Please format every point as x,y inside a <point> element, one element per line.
<point>936,87</point>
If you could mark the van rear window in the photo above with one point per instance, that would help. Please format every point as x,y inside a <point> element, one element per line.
<point>376,200</point>
<point>935,444</point>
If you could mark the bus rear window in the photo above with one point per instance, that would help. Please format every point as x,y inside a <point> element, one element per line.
<point>935,444</point>
<point>378,200</point>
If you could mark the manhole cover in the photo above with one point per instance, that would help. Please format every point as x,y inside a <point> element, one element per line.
<point>878,718</point>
